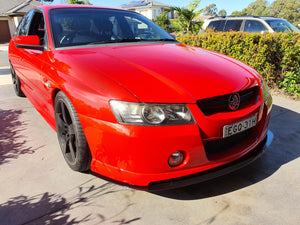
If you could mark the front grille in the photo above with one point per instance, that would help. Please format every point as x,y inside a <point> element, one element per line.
<point>214,147</point>
<point>219,104</point>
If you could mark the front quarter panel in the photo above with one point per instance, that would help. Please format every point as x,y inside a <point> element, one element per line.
<point>88,89</point>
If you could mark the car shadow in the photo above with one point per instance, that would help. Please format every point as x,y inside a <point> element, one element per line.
<point>47,208</point>
<point>285,126</point>
<point>30,208</point>
<point>12,142</point>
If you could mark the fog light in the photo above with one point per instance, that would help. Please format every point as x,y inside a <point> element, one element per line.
<point>176,158</point>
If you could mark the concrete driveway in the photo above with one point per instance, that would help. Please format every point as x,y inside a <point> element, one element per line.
<point>37,186</point>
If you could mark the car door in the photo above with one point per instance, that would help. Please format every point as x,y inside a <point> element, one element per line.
<point>33,61</point>
<point>254,26</point>
<point>233,25</point>
<point>40,65</point>
<point>217,25</point>
<point>17,58</point>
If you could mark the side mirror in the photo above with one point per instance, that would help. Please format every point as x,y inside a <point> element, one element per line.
<point>28,42</point>
<point>173,35</point>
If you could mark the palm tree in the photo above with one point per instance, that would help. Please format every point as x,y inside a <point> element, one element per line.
<point>187,15</point>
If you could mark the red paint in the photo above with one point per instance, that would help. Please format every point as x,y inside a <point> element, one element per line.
<point>27,40</point>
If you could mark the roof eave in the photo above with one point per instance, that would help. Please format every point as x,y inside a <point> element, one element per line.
<point>15,10</point>
<point>15,14</point>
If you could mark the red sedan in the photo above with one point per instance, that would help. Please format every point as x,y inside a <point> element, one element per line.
<point>132,104</point>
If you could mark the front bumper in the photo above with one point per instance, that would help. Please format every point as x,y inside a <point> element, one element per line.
<point>137,156</point>
<point>212,173</point>
<point>201,176</point>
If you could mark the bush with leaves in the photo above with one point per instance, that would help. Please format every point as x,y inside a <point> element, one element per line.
<point>163,21</point>
<point>291,83</point>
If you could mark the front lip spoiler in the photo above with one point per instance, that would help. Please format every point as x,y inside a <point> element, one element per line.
<point>215,172</point>
<point>202,176</point>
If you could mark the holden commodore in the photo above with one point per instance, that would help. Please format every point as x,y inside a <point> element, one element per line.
<point>133,105</point>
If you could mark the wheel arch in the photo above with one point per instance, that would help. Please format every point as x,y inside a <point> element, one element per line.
<point>54,93</point>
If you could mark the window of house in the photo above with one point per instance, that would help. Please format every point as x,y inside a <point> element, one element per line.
<point>154,13</point>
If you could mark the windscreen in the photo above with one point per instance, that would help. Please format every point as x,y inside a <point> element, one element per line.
<point>85,26</point>
<point>282,26</point>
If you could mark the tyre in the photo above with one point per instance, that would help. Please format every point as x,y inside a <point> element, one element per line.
<point>70,134</point>
<point>16,82</point>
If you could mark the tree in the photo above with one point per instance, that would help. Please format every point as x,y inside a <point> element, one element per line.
<point>237,13</point>
<point>163,21</point>
<point>286,9</point>
<point>210,10</point>
<point>222,12</point>
<point>257,8</point>
<point>186,15</point>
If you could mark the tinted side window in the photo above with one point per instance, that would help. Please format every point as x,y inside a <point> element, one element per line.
<point>254,26</point>
<point>24,24</point>
<point>37,26</point>
<point>217,25</point>
<point>233,25</point>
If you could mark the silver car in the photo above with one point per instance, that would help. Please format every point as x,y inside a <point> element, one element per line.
<point>251,24</point>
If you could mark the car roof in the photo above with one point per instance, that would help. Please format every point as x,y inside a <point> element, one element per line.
<point>76,6</point>
<point>243,17</point>
<point>270,18</point>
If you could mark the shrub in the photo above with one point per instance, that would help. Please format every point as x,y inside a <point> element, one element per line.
<point>291,83</point>
<point>274,55</point>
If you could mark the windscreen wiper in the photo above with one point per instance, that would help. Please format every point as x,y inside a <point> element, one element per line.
<point>164,39</point>
<point>130,40</point>
<point>115,41</point>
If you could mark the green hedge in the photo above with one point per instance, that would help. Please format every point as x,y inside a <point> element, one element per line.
<point>276,56</point>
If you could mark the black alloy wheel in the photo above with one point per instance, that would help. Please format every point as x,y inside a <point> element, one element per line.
<point>70,134</point>
<point>16,82</point>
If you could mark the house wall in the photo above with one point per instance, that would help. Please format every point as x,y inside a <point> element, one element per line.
<point>17,20</point>
<point>151,12</point>
<point>144,12</point>
<point>12,26</point>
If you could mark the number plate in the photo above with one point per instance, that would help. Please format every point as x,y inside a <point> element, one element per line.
<point>238,127</point>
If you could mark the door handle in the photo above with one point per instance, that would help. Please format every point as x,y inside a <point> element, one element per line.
<point>46,82</point>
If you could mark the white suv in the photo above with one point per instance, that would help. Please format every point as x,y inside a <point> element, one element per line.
<point>252,24</point>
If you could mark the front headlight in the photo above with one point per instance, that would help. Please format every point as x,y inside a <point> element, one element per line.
<point>151,114</point>
<point>265,90</point>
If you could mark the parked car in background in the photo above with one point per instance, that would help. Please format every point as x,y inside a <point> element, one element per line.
<point>131,103</point>
<point>251,24</point>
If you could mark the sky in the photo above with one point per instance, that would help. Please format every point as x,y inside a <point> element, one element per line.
<point>228,5</point>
